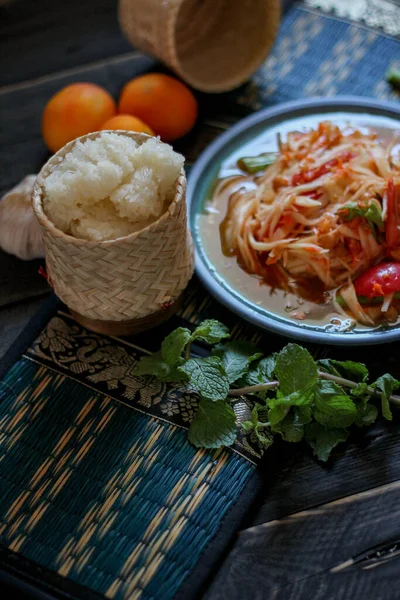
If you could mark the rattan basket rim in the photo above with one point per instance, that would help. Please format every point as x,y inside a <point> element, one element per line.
<point>46,223</point>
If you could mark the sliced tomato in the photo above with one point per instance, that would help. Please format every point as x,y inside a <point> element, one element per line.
<point>380,280</point>
<point>392,216</point>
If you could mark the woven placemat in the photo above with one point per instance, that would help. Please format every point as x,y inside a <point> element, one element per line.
<point>98,481</point>
<point>100,491</point>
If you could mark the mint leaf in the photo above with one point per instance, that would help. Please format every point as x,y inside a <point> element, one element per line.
<point>259,416</point>
<point>151,365</point>
<point>360,390</point>
<point>174,375</point>
<point>323,440</point>
<point>213,426</point>
<point>155,365</point>
<point>366,413</point>
<point>210,331</point>
<point>333,407</point>
<point>264,437</point>
<point>259,425</point>
<point>347,368</point>
<point>236,357</point>
<point>290,429</point>
<point>277,414</point>
<point>386,385</point>
<point>303,414</point>
<point>259,372</point>
<point>295,369</point>
<point>207,377</point>
<point>174,344</point>
<point>353,370</point>
<point>299,398</point>
<point>367,209</point>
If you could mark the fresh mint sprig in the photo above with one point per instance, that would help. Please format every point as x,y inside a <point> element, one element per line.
<point>295,397</point>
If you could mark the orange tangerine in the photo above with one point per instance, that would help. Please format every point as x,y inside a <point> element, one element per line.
<point>164,103</point>
<point>127,122</point>
<point>75,110</point>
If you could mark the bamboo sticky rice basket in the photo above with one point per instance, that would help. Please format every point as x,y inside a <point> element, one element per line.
<point>124,285</point>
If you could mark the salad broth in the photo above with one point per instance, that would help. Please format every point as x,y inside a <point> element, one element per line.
<point>312,308</point>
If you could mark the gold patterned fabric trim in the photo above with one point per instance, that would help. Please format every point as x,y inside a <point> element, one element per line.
<point>378,14</point>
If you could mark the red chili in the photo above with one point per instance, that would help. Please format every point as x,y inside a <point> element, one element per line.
<point>312,174</point>
<point>392,218</point>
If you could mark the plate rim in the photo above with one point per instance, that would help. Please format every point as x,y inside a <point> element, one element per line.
<point>223,296</point>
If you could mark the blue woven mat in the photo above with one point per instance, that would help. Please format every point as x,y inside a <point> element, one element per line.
<point>100,492</point>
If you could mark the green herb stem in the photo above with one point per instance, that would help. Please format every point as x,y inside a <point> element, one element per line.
<point>251,389</point>
<point>270,385</point>
<point>187,351</point>
<point>353,384</point>
<point>395,400</point>
<point>336,379</point>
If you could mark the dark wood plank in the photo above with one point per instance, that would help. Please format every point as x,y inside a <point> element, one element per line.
<point>327,552</point>
<point>20,279</point>
<point>381,582</point>
<point>13,320</point>
<point>44,36</point>
<point>296,481</point>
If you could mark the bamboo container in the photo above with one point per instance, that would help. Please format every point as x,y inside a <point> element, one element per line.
<point>120,286</point>
<point>213,45</point>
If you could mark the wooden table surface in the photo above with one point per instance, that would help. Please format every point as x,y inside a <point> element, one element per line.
<point>317,532</point>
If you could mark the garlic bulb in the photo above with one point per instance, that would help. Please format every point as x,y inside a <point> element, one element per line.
<point>19,230</point>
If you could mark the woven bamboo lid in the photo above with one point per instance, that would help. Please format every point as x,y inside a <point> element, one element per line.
<point>132,281</point>
<point>214,45</point>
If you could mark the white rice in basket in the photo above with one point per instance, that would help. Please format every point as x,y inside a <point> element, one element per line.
<point>109,187</point>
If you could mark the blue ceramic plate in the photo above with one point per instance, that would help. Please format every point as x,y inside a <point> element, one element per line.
<point>237,290</point>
